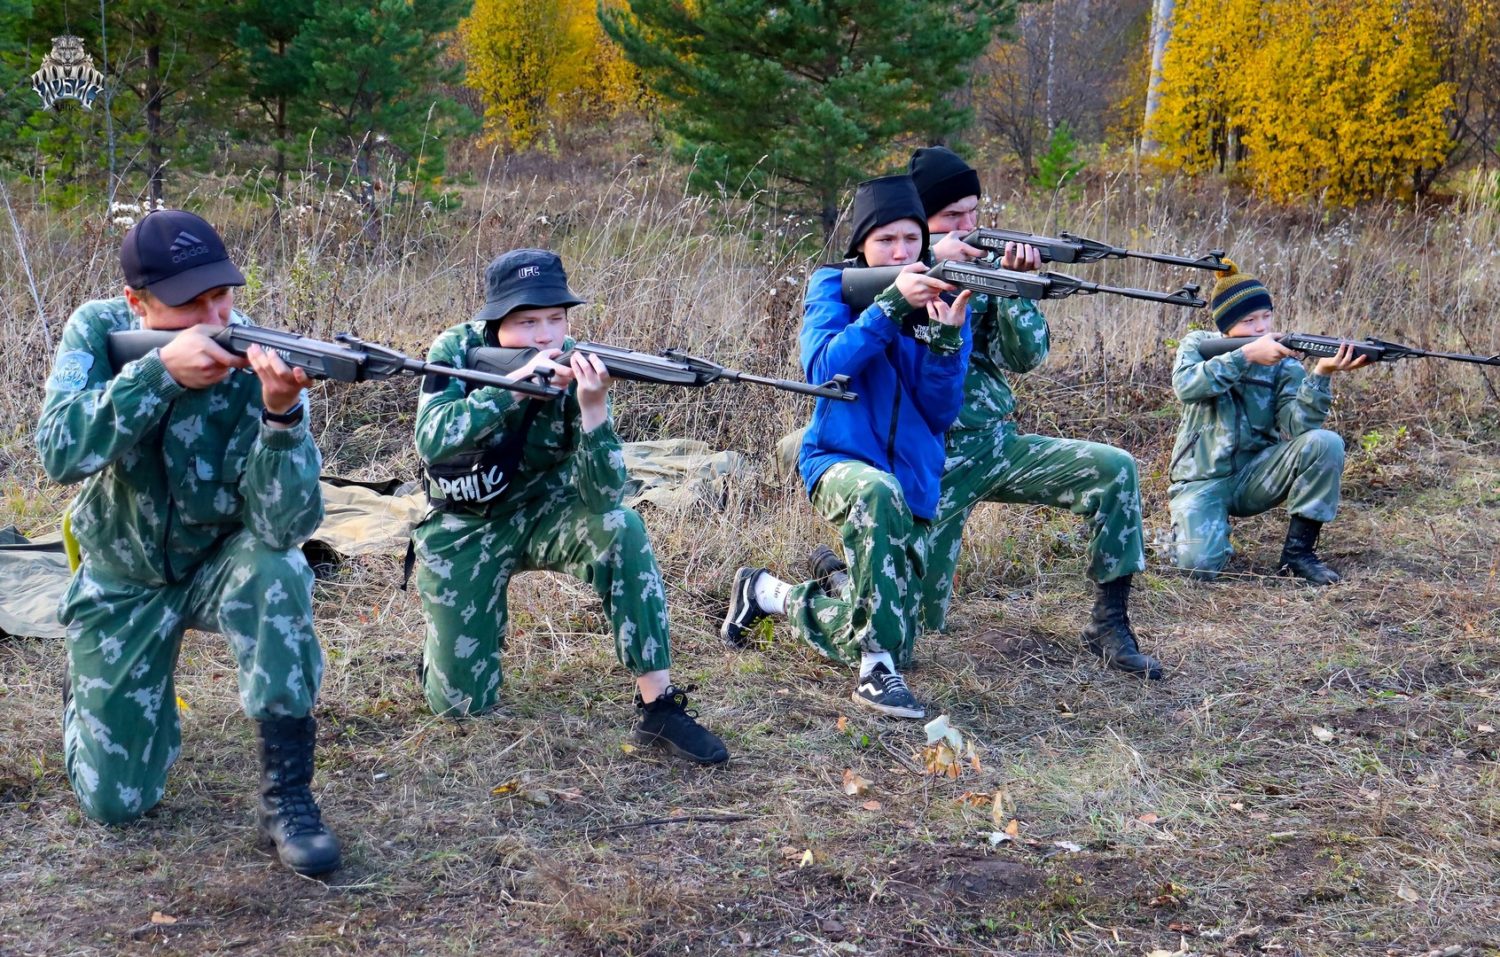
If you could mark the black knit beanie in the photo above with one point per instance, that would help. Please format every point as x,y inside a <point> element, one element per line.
<point>942,177</point>
<point>885,200</point>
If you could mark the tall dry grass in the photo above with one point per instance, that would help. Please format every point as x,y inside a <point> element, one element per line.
<point>663,268</point>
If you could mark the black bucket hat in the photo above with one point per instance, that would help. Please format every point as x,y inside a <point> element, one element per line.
<point>525,279</point>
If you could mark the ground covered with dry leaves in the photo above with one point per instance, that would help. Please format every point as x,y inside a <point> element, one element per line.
<point>1316,775</point>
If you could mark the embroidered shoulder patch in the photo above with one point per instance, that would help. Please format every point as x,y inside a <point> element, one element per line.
<point>71,373</point>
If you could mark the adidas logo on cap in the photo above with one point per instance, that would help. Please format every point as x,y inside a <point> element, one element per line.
<point>186,246</point>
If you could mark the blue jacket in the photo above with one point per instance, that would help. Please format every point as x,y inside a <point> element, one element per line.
<point>910,392</point>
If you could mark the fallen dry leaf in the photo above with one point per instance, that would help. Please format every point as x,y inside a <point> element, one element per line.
<point>1322,734</point>
<point>843,724</point>
<point>807,858</point>
<point>854,783</point>
<point>871,805</point>
<point>1013,828</point>
<point>1407,894</point>
<point>1486,729</point>
<point>628,748</point>
<point>1068,846</point>
<point>1149,818</point>
<point>509,787</point>
<point>157,917</point>
<point>1001,809</point>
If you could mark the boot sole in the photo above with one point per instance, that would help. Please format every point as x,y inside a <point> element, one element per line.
<point>894,711</point>
<point>657,741</point>
<point>317,870</point>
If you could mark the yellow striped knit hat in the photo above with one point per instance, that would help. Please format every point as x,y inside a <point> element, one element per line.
<point>1236,295</point>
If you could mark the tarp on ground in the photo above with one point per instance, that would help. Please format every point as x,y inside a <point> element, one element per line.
<point>366,518</point>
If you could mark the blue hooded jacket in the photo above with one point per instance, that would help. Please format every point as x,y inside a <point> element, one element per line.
<point>909,392</point>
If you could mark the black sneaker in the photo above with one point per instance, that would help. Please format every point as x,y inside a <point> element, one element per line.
<point>828,570</point>
<point>744,611</point>
<point>886,692</point>
<point>667,723</point>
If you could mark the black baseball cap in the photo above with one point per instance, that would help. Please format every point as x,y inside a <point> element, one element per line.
<point>525,279</point>
<point>176,256</point>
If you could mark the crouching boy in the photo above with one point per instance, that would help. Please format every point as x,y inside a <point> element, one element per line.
<point>553,475</point>
<point>1251,438</point>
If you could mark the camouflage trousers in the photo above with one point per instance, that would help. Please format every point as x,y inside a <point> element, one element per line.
<point>120,730</point>
<point>1095,481</point>
<point>1305,473</point>
<point>464,566</point>
<point>886,549</point>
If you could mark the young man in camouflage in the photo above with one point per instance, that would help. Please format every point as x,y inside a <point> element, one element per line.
<point>521,484</point>
<point>988,460</point>
<point>871,467</point>
<point>1251,437</point>
<point>200,482</point>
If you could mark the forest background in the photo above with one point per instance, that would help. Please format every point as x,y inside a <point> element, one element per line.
<point>1318,774</point>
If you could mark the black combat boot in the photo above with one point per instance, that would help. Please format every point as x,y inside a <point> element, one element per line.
<point>289,817</point>
<point>666,722</point>
<point>1298,557</point>
<point>828,570</point>
<point>1109,633</point>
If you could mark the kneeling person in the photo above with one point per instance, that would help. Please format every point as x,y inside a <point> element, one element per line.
<point>200,482</point>
<point>872,467</point>
<point>1251,438</point>
<point>553,475</point>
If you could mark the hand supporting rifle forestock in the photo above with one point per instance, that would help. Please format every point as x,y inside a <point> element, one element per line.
<point>671,367</point>
<point>351,360</point>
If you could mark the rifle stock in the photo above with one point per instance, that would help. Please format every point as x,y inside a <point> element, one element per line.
<point>351,360</point>
<point>671,367</point>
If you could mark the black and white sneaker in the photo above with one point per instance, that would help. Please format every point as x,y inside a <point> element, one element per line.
<point>744,611</point>
<point>886,692</point>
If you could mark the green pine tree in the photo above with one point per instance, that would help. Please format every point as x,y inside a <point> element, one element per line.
<point>804,96</point>
<point>377,70</point>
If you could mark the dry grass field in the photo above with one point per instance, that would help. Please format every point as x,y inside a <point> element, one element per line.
<point>1317,775</point>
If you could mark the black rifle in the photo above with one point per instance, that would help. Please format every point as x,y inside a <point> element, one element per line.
<point>861,286</point>
<point>1376,350</point>
<point>669,368</point>
<point>351,361</point>
<point>1075,249</point>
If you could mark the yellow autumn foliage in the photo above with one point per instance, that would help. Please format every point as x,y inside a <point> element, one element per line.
<point>539,65</point>
<point>1340,100</point>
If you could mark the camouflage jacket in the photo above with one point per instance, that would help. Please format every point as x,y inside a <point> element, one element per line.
<point>1233,409</point>
<point>1010,335</point>
<point>455,418</point>
<point>167,471</point>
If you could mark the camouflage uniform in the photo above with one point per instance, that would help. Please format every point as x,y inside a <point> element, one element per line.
<point>190,516</point>
<point>560,512</point>
<point>886,548</point>
<point>1250,439</point>
<point>989,461</point>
